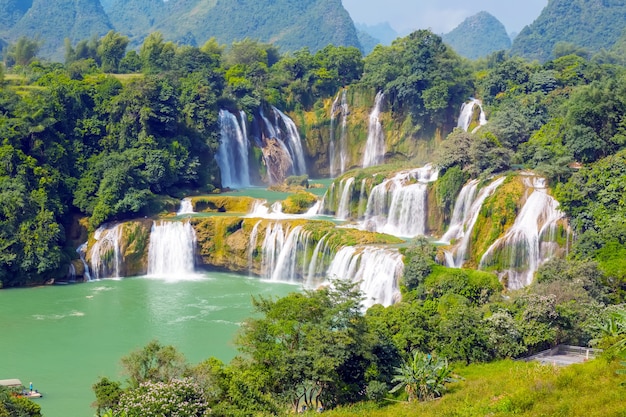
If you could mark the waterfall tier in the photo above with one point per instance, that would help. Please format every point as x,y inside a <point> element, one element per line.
<point>467,114</point>
<point>399,206</point>
<point>378,271</point>
<point>466,211</point>
<point>105,254</point>
<point>232,155</point>
<point>375,145</point>
<point>530,241</point>
<point>338,152</point>
<point>186,207</point>
<point>171,253</point>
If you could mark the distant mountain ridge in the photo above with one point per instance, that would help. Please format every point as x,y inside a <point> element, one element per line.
<point>592,24</point>
<point>478,36</point>
<point>289,24</point>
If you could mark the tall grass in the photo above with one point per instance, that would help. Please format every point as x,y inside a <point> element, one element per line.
<point>508,388</point>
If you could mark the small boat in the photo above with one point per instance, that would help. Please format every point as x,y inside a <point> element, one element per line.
<point>18,389</point>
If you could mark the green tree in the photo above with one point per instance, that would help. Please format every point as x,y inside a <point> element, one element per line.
<point>107,395</point>
<point>22,52</point>
<point>174,398</point>
<point>154,363</point>
<point>111,50</point>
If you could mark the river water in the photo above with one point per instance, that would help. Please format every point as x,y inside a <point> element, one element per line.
<point>64,337</point>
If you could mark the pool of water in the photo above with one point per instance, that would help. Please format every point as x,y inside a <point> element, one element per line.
<point>64,337</point>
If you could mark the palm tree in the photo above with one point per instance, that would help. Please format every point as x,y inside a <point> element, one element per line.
<point>423,376</point>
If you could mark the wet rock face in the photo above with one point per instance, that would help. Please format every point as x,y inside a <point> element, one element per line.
<point>278,161</point>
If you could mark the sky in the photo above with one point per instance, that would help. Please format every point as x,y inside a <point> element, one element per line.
<point>441,16</point>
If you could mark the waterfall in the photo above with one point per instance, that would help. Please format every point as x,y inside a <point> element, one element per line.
<point>343,140</point>
<point>334,109</point>
<point>399,206</point>
<point>232,155</point>
<point>317,264</point>
<point>186,207</point>
<point>466,210</point>
<point>345,192</point>
<point>531,239</point>
<point>467,113</point>
<point>378,271</point>
<point>292,140</point>
<point>82,251</point>
<point>280,253</point>
<point>261,210</point>
<point>375,145</point>
<point>71,273</point>
<point>105,254</point>
<point>362,201</point>
<point>254,235</point>
<point>171,252</point>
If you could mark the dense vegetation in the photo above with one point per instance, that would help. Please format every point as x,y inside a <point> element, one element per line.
<point>478,36</point>
<point>80,141</point>
<point>570,25</point>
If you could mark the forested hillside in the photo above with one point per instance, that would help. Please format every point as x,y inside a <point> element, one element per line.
<point>287,24</point>
<point>52,21</point>
<point>590,24</point>
<point>478,36</point>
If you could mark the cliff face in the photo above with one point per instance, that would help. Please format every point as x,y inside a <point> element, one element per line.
<point>403,141</point>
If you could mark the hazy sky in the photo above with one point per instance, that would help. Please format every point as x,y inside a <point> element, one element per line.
<point>441,16</point>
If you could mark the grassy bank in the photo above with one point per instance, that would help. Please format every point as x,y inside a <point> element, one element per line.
<point>507,388</point>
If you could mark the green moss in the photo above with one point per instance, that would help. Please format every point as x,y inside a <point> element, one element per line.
<point>222,204</point>
<point>497,214</point>
<point>299,203</point>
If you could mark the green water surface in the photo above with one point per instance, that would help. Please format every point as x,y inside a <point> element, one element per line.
<point>64,337</point>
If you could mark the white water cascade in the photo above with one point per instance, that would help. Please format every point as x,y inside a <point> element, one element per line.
<point>466,210</point>
<point>375,145</point>
<point>338,151</point>
<point>467,112</point>
<point>378,271</point>
<point>291,139</point>
<point>531,239</point>
<point>186,207</point>
<point>281,250</point>
<point>105,254</point>
<point>172,249</point>
<point>232,155</point>
<point>399,206</point>
<point>262,210</point>
<point>82,251</point>
<point>345,193</point>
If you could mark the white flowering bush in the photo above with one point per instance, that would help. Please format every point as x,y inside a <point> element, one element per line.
<point>177,398</point>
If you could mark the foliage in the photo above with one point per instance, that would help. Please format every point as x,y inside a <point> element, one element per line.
<point>423,376</point>
<point>11,405</point>
<point>107,395</point>
<point>419,260</point>
<point>153,364</point>
<point>174,398</point>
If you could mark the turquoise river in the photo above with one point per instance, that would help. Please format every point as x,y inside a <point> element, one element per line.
<point>64,337</point>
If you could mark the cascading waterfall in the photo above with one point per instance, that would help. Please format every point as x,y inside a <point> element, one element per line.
<point>399,206</point>
<point>105,254</point>
<point>362,201</point>
<point>345,192</point>
<point>467,112</point>
<point>82,251</point>
<point>318,262</point>
<point>292,140</point>
<point>466,210</point>
<point>232,155</point>
<point>343,141</point>
<point>334,109</point>
<point>261,209</point>
<point>378,271</point>
<point>530,241</point>
<point>254,235</point>
<point>171,252</point>
<point>375,145</point>
<point>280,253</point>
<point>186,207</point>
